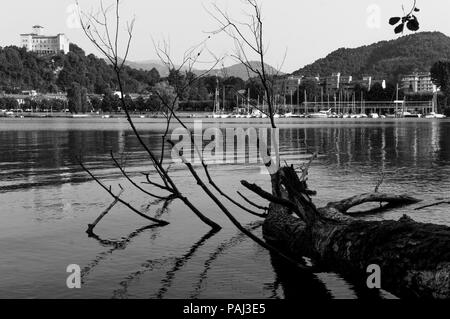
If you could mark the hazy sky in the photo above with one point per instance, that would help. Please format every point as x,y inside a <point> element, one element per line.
<point>307,29</point>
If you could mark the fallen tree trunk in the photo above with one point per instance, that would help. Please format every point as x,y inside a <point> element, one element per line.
<point>414,258</point>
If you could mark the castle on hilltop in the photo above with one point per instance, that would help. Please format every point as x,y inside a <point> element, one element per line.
<point>42,44</point>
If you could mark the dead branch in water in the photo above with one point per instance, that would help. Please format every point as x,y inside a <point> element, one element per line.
<point>344,205</point>
<point>434,205</point>
<point>413,257</point>
<point>268,196</point>
<point>214,185</point>
<point>122,170</point>
<point>252,203</point>
<point>90,230</point>
<point>230,216</point>
<point>380,182</point>
<point>90,24</point>
<point>109,191</point>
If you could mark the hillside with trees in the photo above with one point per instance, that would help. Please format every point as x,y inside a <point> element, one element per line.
<point>22,70</point>
<point>387,59</point>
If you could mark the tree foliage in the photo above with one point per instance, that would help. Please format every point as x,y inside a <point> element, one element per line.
<point>440,75</point>
<point>22,70</point>
<point>77,98</point>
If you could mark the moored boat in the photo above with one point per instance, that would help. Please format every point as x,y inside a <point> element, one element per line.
<point>320,115</point>
<point>434,115</point>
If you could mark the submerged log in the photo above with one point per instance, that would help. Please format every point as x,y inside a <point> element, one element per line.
<point>414,258</point>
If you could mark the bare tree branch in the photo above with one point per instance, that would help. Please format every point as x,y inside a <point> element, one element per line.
<point>91,227</point>
<point>111,52</point>
<point>252,203</point>
<point>214,185</point>
<point>434,205</point>
<point>122,170</point>
<point>158,222</point>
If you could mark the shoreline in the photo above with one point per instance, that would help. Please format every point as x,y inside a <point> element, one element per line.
<point>192,116</point>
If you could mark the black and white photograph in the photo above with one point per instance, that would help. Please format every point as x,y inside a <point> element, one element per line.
<point>224,150</point>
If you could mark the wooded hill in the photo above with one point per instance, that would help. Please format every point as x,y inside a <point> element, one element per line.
<point>22,70</point>
<point>387,59</point>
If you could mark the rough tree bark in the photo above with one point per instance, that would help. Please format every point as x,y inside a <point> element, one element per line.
<point>414,257</point>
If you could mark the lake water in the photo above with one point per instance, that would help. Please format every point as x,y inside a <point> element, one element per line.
<point>47,201</point>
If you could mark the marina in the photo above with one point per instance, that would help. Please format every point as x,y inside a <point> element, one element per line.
<point>403,109</point>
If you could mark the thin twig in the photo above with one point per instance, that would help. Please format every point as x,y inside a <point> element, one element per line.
<point>91,227</point>
<point>159,222</point>
<point>214,185</point>
<point>433,205</point>
<point>122,170</point>
<point>268,196</point>
<point>252,203</point>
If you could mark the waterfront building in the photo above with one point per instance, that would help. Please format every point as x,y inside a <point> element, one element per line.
<point>42,44</point>
<point>369,81</point>
<point>292,84</point>
<point>287,85</point>
<point>418,83</point>
<point>336,81</point>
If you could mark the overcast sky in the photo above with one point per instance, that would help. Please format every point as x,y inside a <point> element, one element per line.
<point>307,29</point>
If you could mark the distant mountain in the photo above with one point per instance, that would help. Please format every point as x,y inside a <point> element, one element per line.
<point>240,71</point>
<point>388,59</point>
<point>237,70</point>
<point>148,65</point>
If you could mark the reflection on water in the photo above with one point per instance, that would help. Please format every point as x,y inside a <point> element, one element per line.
<point>46,203</point>
<point>220,250</point>
<point>119,244</point>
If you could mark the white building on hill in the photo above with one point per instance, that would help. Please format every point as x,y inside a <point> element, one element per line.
<point>42,44</point>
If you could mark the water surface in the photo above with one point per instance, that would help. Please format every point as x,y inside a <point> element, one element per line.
<point>47,201</point>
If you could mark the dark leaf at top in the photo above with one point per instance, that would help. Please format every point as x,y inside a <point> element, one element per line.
<point>413,25</point>
<point>399,28</point>
<point>394,21</point>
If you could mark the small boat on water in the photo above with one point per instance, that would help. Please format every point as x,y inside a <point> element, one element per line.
<point>320,115</point>
<point>359,116</point>
<point>434,115</point>
<point>407,114</point>
<point>79,116</point>
<point>292,115</point>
